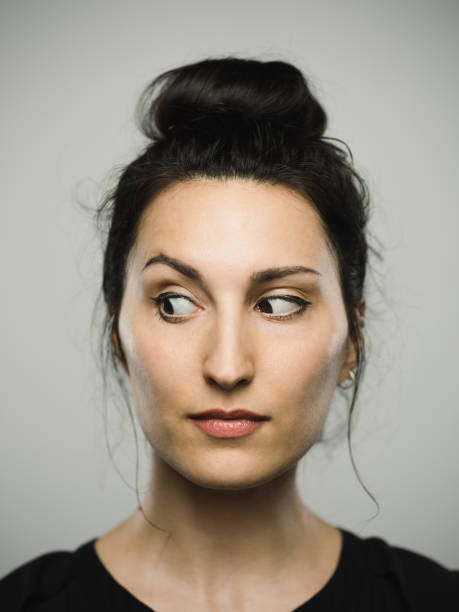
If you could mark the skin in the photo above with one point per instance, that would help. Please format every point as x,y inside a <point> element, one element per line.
<point>241,537</point>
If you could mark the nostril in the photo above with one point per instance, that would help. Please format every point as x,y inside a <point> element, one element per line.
<point>227,385</point>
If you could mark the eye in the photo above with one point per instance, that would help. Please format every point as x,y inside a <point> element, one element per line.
<point>281,307</point>
<point>167,302</point>
<point>170,301</point>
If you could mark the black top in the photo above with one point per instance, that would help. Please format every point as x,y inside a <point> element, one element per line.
<point>371,576</point>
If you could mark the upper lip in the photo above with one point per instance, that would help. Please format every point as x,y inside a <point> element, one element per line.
<point>229,414</point>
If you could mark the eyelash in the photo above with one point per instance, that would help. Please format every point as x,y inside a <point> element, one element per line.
<point>177,319</point>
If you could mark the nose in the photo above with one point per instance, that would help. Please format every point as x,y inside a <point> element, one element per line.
<point>229,360</point>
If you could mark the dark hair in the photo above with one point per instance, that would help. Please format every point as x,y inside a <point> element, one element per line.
<point>230,117</point>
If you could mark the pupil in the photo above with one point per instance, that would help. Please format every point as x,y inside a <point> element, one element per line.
<point>270,308</point>
<point>169,310</point>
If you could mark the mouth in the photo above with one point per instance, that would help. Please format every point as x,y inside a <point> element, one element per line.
<point>232,424</point>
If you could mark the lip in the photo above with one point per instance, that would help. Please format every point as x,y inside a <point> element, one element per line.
<point>228,424</point>
<point>217,413</point>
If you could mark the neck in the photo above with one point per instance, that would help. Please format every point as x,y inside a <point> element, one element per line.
<point>215,531</point>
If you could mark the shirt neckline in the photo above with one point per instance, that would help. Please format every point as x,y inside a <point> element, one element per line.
<point>101,587</point>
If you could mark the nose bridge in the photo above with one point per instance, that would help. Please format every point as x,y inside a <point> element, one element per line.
<point>229,355</point>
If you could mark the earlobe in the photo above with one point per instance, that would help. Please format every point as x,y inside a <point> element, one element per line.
<point>350,361</point>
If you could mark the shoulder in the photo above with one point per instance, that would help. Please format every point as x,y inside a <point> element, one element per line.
<point>422,582</point>
<point>43,583</point>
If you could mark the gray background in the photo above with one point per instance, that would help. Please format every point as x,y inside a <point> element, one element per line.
<point>71,73</point>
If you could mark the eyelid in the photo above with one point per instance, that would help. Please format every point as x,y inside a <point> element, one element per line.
<point>288,297</point>
<point>309,285</point>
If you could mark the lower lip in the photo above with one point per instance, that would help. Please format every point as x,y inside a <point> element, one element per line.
<point>227,428</point>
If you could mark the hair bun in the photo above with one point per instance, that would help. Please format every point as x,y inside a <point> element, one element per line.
<point>273,92</point>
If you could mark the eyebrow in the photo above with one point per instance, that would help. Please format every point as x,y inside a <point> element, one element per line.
<point>261,276</point>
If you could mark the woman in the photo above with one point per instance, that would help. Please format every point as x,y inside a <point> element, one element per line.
<point>234,283</point>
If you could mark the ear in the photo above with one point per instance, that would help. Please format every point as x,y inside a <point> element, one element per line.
<point>116,343</point>
<point>350,360</point>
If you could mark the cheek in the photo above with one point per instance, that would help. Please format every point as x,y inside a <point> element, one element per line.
<point>160,371</point>
<point>304,372</point>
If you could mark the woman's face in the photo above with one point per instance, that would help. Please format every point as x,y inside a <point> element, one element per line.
<point>276,345</point>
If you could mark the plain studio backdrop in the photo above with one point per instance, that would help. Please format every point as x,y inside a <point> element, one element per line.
<point>71,73</point>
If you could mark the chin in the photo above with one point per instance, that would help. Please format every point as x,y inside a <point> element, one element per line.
<point>233,477</point>
<point>225,484</point>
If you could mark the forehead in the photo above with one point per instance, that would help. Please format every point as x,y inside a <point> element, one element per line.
<point>231,223</point>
